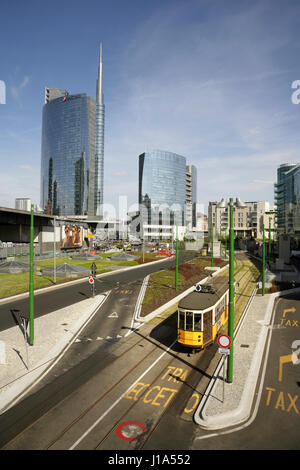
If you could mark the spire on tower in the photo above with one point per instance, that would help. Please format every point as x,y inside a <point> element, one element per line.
<point>99,94</point>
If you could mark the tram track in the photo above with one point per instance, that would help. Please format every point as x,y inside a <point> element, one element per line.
<point>142,438</point>
<point>95,402</point>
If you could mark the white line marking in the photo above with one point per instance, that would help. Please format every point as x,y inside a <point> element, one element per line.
<point>119,399</point>
<point>113,315</point>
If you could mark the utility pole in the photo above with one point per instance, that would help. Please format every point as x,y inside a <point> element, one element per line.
<point>263,263</point>
<point>54,252</point>
<point>31,284</point>
<point>270,248</point>
<point>231,293</point>
<point>212,245</point>
<point>176,270</point>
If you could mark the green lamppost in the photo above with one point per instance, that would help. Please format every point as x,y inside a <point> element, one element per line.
<point>238,204</point>
<point>231,292</point>
<point>212,245</point>
<point>270,248</point>
<point>263,263</point>
<point>31,285</point>
<point>176,269</point>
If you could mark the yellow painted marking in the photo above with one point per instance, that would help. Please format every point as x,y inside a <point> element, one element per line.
<point>168,370</point>
<point>148,393</point>
<point>161,395</point>
<point>197,398</point>
<point>287,310</point>
<point>135,390</point>
<point>283,360</point>
<point>270,390</point>
<point>292,404</point>
<point>280,401</point>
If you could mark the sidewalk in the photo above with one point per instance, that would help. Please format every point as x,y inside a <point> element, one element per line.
<point>249,343</point>
<point>53,334</point>
<point>22,365</point>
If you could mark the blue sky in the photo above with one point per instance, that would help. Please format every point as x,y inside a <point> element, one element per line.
<point>207,79</point>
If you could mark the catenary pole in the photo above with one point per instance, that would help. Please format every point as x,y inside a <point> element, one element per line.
<point>263,263</point>
<point>31,284</point>
<point>176,270</point>
<point>231,292</point>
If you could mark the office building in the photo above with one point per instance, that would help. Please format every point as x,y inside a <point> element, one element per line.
<point>287,200</point>
<point>72,153</point>
<point>167,194</point>
<point>191,196</point>
<point>247,221</point>
<point>23,204</point>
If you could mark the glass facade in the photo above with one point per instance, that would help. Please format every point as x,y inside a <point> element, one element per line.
<point>287,198</point>
<point>162,188</point>
<point>99,159</point>
<point>68,155</point>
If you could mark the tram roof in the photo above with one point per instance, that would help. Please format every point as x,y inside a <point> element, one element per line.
<point>202,300</point>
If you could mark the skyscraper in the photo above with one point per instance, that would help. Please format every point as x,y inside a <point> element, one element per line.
<point>72,153</point>
<point>99,158</point>
<point>191,195</point>
<point>162,191</point>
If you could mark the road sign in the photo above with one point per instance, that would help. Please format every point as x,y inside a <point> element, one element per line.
<point>224,351</point>
<point>224,341</point>
<point>91,280</point>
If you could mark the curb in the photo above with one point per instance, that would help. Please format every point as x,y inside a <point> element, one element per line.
<point>243,410</point>
<point>21,385</point>
<point>171,302</point>
<point>75,281</point>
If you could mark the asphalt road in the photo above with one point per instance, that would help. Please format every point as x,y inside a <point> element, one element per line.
<point>93,350</point>
<point>57,298</point>
<point>275,420</point>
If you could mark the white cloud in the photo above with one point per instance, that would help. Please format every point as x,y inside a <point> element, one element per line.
<point>215,89</point>
<point>16,90</point>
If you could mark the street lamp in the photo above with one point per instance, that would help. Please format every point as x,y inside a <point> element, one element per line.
<point>239,204</point>
<point>212,245</point>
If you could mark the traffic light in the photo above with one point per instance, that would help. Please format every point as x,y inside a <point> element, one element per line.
<point>93,269</point>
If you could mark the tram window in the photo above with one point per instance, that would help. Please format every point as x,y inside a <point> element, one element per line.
<point>181,320</point>
<point>197,322</point>
<point>189,321</point>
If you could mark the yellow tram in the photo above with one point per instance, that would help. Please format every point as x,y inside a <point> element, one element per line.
<point>202,313</point>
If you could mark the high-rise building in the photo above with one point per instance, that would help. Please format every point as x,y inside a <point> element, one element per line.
<point>99,158</point>
<point>248,220</point>
<point>73,152</point>
<point>23,203</point>
<point>191,196</point>
<point>162,193</point>
<point>287,199</point>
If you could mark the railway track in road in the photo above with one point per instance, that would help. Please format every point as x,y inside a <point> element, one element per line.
<point>139,385</point>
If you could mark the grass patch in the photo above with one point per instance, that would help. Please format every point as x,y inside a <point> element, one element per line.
<point>13,284</point>
<point>161,285</point>
<point>246,279</point>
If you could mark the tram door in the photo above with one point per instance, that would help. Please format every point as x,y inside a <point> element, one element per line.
<point>207,327</point>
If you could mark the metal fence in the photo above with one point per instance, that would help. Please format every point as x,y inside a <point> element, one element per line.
<point>21,251</point>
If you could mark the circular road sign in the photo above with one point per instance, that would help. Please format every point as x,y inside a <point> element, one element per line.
<point>91,280</point>
<point>224,341</point>
<point>130,430</point>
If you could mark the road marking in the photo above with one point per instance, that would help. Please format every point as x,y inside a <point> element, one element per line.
<point>119,399</point>
<point>281,401</point>
<point>287,310</point>
<point>197,398</point>
<point>130,430</point>
<point>283,360</point>
<point>113,315</point>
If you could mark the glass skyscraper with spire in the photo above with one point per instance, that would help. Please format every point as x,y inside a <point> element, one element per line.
<point>72,154</point>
